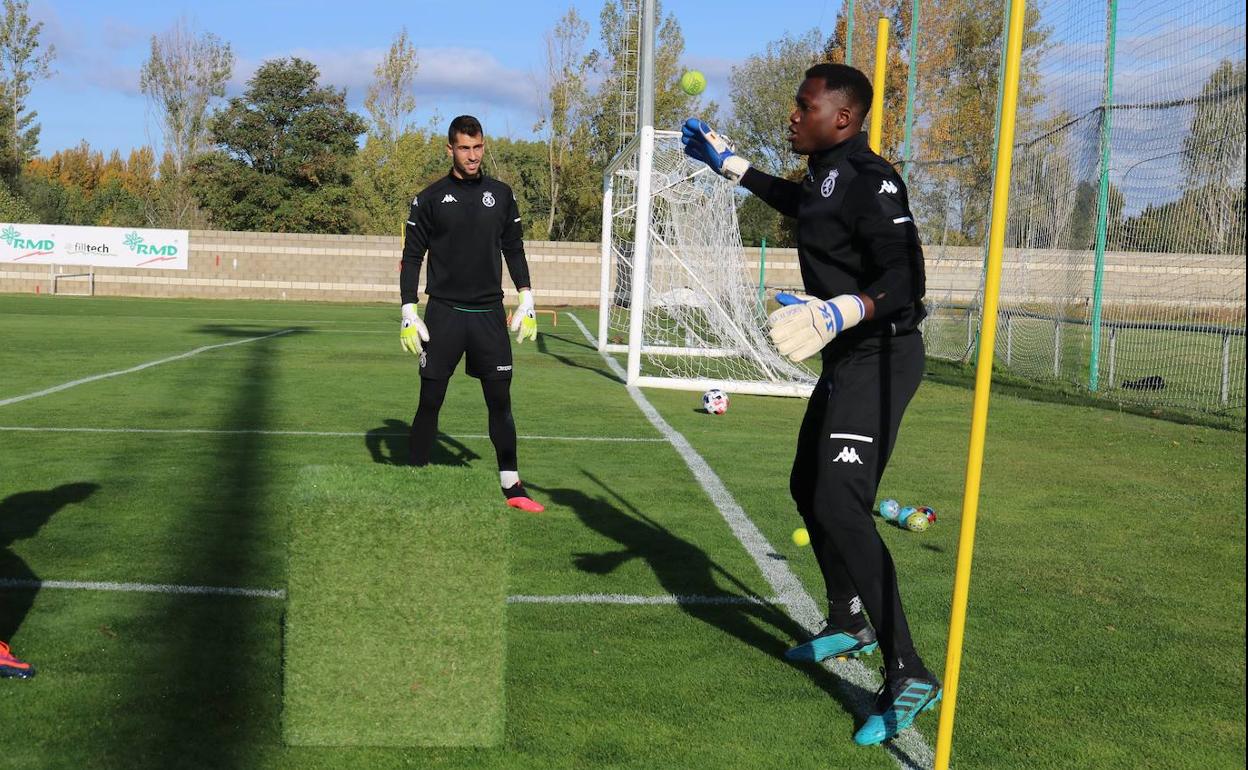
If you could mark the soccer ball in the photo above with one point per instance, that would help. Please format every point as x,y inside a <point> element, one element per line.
<point>715,401</point>
<point>889,509</point>
<point>904,515</point>
<point>929,513</point>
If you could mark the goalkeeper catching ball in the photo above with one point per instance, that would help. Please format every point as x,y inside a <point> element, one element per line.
<point>862,264</point>
<point>465,221</point>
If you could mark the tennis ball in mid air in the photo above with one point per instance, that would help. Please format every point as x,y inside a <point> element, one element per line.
<point>693,82</point>
<point>801,537</point>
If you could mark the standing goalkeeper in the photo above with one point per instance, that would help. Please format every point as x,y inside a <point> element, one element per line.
<point>860,256</point>
<point>466,220</point>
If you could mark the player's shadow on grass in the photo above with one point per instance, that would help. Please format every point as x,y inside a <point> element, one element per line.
<point>388,446</point>
<point>22,515</point>
<point>544,349</point>
<point>688,573</point>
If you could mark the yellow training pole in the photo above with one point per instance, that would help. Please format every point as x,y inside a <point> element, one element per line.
<point>983,382</point>
<point>877,99</point>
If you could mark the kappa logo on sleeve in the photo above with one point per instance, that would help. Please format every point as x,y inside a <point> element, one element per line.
<point>887,187</point>
<point>416,201</point>
<point>448,198</point>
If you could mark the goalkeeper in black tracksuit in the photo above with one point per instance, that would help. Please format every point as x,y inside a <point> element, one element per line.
<point>469,224</point>
<point>860,258</point>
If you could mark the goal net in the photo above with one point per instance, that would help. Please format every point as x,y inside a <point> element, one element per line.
<point>702,319</point>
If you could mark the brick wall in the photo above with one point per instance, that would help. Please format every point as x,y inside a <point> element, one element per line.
<point>353,268</point>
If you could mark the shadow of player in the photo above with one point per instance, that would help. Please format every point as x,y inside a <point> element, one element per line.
<point>22,515</point>
<point>388,445</point>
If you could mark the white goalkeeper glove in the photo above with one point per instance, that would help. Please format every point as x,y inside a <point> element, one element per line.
<point>802,330</point>
<point>524,319</point>
<point>701,143</point>
<point>413,332</point>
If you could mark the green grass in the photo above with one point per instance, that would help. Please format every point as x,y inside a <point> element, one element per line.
<point>408,655</point>
<point>1107,600</point>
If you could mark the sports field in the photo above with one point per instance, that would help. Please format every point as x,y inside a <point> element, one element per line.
<point>186,543</point>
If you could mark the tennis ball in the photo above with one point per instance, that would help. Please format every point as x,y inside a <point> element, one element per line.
<point>693,82</point>
<point>801,537</point>
<point>917,521</point>
<point>889,509</point>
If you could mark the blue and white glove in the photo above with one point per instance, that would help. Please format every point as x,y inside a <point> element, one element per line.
<point>524,320</point>
<point>802,330</point>
<point>702,143</point>
<point>413,331</point>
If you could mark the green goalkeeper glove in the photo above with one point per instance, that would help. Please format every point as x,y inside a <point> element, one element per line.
<point>413,331</point>
<point>802,330</point>
<point>524,319</point>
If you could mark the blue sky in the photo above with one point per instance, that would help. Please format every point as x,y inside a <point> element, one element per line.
<point>481,57</point>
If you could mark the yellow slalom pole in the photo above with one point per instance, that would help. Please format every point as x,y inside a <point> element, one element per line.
<point>877,99</point>
<point>983,383</point>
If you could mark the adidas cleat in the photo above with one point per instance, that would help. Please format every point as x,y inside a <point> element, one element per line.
<point>896,706</point>
<point>834,643</point>
<point>12,667</point>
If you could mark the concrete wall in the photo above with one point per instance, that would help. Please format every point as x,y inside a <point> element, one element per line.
<point>348,268</point>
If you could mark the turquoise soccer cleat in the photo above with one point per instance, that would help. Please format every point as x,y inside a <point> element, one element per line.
<point>835,643</point>
<point>896,706</point>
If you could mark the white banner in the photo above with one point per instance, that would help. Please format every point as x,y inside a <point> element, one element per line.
<point>95,246</point>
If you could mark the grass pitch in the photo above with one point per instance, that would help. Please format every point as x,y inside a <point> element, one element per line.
<point>1107,600</point>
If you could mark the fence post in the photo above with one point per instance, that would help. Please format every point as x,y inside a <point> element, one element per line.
<point>1057,348</point>
<point>1113,352</point>
<point>849,32</point>
<point>1226,368</point>
<point>762,270</point>
<point>1009,338</point>
<point>1102,193</point>
<point>911,79</point>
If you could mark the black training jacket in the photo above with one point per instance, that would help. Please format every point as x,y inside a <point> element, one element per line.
<point>464,224</point>
<point>855,233</point>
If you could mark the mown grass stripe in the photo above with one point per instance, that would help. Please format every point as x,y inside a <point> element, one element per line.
<point>327,433</point>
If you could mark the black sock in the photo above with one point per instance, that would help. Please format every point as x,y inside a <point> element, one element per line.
<point>515,490</point>
<point>502,427</point>
<point>425,423</point>
<point>846,614</point>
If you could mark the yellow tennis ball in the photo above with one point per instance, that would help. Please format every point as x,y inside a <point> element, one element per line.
<point>801,537</point>
<point>693,82</point>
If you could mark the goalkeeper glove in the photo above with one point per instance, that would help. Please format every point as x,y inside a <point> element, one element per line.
<point>413,331</point>
<point>802,330</point>
<point>524,320</point>
<point>701,143</point>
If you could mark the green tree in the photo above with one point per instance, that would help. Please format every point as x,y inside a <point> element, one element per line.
<point>387,174</point>
<point>565,99</point>
<point>762,90</point>
<point>21,63</point>
<point>284,155</point>
<point>184,75</point>
<point>390,97</point>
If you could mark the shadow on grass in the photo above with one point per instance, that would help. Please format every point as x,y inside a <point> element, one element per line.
<point>388,445</point>
<point>683,569</point>
<point>22,515</point>
<point>544,348</point>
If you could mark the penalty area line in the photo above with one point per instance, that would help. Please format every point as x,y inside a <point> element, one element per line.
<point>138,368</point>
<point>319,433</point>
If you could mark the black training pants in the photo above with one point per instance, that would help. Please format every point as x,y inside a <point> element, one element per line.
<point>846,438</point>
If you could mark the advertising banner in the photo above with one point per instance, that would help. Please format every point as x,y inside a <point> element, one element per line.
<point>95,246</point>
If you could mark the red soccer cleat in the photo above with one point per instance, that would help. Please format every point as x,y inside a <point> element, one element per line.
<point>517,497</point>
<point>12,667</point>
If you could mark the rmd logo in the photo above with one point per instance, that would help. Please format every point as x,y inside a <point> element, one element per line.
<point>15,239</point>
<point>135,243</point>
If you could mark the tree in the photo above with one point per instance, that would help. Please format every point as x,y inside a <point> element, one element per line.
<point>390,98</point>
<point>21,63</point>
<point>1213,156</point>
<point>762,90</point>
<point>565,99</point>
<point>284,154</point>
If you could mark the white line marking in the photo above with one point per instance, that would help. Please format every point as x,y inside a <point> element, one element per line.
<point>140,367</point>
<point>668,599</point>
<point>852,437</point>
<point>333,434</point>
<point>909,749</point>
<point>147,588</point>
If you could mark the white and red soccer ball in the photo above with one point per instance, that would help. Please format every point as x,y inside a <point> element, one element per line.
<point>715,401</point>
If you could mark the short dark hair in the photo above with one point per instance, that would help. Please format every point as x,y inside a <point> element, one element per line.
<point>464,124</point>
<point>846,79</point>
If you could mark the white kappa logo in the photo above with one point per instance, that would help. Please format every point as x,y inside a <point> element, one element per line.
<point>487,199</point>
<point>887,187</point>
<point>829,184</point>
<point>416,201</point>
<point>848,455</point>
<point>448,198</point>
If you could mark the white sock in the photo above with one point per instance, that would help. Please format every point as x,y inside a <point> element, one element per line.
<point>508,479</point>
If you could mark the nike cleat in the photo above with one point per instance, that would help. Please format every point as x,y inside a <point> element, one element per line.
<point>896,705</point>
<point>835,643</point>
<point>12,667</point>
<point>517,497</point>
